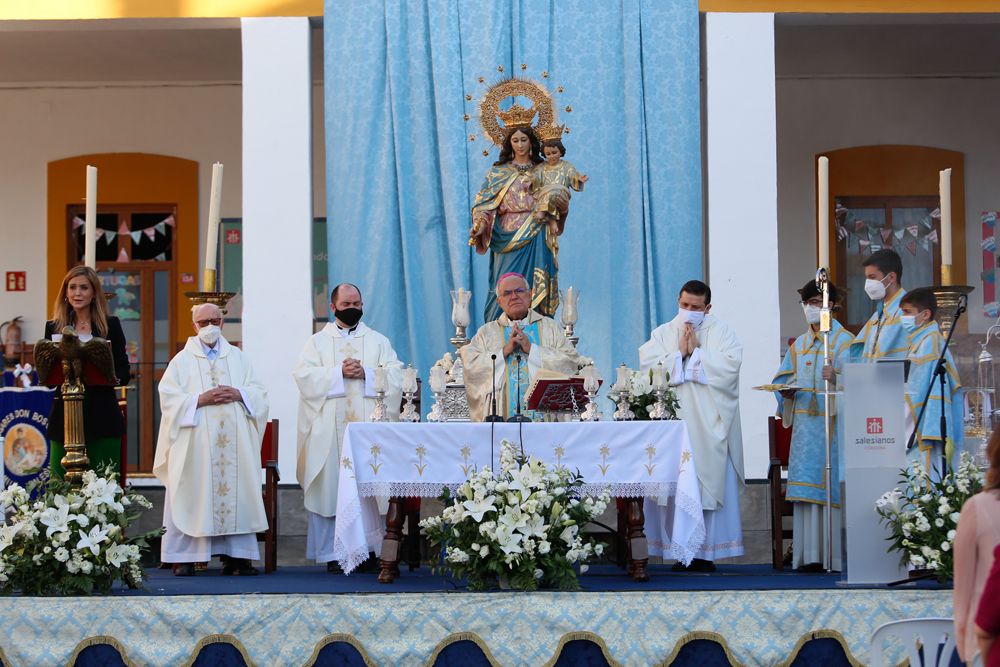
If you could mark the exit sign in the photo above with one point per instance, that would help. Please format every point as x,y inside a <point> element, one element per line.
<point>17,281</point>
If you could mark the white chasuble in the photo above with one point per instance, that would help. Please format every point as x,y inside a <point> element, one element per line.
<point>209,457</point>
<point>707,388</point>
<point>553,352</point>
<point>328,402</point>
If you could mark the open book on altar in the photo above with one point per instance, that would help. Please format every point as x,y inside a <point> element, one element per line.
<point>555,392</point>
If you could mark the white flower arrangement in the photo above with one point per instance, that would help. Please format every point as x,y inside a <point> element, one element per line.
<point>922,515</point>
<point>643,398</point>
<point>521,526</point>
<point>70,541</point>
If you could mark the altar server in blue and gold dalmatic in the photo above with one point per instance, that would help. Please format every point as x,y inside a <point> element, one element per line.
<point>804,411</point>
<point>919,308</point>
<point>883,336</point>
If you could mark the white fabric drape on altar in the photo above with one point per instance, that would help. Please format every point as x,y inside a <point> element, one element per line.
<point>634,459</point>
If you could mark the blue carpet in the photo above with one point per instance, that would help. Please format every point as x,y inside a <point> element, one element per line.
<point>600,578</point>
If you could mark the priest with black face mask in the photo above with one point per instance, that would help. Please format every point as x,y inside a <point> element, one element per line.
<point>335,375</point>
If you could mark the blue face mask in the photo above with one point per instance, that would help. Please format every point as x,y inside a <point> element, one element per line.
<point>909,323</point>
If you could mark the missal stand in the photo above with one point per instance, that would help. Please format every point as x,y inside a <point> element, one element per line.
<point>874,441</point>
<point>563,394</point>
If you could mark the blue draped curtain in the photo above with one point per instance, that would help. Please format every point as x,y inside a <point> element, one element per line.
<point>402,172</point>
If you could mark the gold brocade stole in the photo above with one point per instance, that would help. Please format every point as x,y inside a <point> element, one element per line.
<point>220,420</point>
<point>351,407</point>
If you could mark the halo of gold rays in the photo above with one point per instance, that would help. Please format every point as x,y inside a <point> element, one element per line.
<point>488,108</point>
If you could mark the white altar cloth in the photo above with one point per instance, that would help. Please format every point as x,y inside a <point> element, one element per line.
<point>650,459</point>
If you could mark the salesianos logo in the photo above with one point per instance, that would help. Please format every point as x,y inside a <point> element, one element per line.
<point>874,426</point>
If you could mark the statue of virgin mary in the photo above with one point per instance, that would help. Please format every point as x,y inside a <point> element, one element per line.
<point>509,219</point>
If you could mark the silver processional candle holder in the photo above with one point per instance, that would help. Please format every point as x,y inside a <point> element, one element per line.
<point>409,413</point>
<point>659,411</point>
<point>591,413</point>
<point>568,315</point>
<point>380,413</point>
<point>621,398</point>
<point>438,388</point>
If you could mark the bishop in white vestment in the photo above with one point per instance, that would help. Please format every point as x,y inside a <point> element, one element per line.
<point>335,375</point>
<point>511,350</point>
<point>703,357</point>
<point>208,452</point>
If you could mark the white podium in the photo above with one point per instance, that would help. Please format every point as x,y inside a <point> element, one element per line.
<point>872,414</point>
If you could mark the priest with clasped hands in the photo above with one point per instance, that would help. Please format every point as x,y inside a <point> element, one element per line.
<point>703,357</point>
<point>336,375</point>
<point>208,452</point>
<point>511,350</point>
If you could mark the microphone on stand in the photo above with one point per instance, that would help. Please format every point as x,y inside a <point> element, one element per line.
<point>518,417</point>
<point>493,416</point>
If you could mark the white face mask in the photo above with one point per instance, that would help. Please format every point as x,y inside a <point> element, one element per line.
<point>209,335</point>
<point>812,313</point>
<point>875,289</point>
<point>909,323</point>
<point>692,317</point>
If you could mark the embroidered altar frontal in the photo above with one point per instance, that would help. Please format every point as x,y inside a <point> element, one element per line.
<point>754,627</point>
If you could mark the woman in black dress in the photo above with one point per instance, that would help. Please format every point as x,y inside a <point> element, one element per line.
<point>81,305</point>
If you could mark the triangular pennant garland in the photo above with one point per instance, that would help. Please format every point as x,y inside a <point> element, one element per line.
<point>150,233</point>
<point>161,227</point>
<point>77,222</point>
<point>926,222</point>
<point>925,244</point>
<point>135,236</point>
<point>122,256</point>
<point>170,221</point>
<point>886,235</point>
<point>110,236</point>
<point>911,245</point>
<point>914,230</point>
<point>841,232</point>
<point>936,214</point>
<point>990,244</point>
<point>899,233</point>
<point>123,229</point>
<point>160,258</point>
<point>933,236</point>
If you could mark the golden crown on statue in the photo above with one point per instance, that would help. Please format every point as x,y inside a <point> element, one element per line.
<point>550,132</point>
<point>497,123</point>
<point>517,116</point>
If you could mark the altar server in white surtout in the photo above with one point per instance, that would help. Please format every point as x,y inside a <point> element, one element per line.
<point>208,452</point>
<point>703,357</point>
<point>336,379</point>
<point>523,343</point>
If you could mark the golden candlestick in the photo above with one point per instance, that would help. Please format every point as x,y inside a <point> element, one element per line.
<point>220,299</point>
<point>946,274</point>
<point>947,302</point>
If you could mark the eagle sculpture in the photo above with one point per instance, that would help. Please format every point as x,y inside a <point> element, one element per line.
<point>72,354</point>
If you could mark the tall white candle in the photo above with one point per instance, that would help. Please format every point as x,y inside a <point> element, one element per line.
<point>90,225</point>
<point>437,379</point>
<point>409,379</point>
<point>944,187</point>
<point>823,198</point>
<point>622,378</point>
<point>659,376</point>
<point>380,379</point>
<point>212,238</point>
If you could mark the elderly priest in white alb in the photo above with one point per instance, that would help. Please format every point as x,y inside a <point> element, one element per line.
<point>703,357</point>
<point>336,379</point>
<point>208,452</point>
<point>511,350</point>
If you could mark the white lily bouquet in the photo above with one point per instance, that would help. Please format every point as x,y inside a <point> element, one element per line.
<point>70,541</point>
<point>521,526</point>
<point>922,515</point>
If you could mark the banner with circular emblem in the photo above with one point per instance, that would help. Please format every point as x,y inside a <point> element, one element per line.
<point>24,421</point>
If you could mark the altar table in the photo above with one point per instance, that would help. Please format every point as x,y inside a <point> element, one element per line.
<point>634,460</point>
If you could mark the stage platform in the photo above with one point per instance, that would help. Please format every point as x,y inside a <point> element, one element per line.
<point>741,614</point>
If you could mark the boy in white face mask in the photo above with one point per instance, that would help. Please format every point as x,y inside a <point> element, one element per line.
<point>918,309</point>
<point>804,411</point>
<point>883,336</point>
<point>214,411</point>
<point>703,357</point>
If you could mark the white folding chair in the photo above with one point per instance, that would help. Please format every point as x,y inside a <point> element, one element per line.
<point>935,636</point>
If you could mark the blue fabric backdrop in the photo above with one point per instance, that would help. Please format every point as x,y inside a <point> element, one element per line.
<point>402,173</point>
